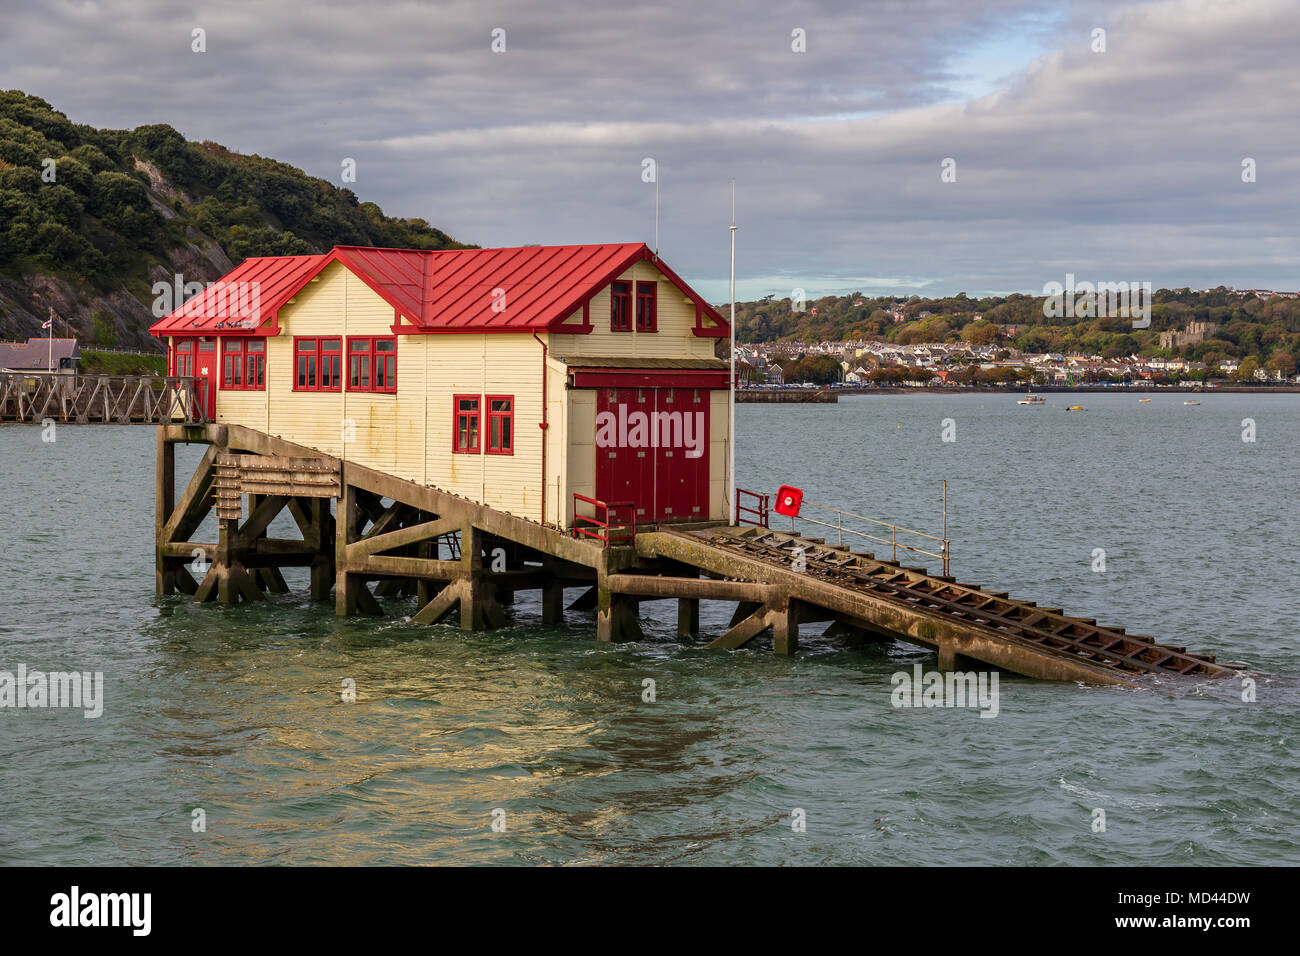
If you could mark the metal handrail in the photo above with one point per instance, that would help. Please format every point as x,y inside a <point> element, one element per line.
<point>943,554</point>
<point>762,512</point>
<point>603,525</point>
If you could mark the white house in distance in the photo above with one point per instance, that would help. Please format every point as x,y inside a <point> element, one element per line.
<point>513,377</point>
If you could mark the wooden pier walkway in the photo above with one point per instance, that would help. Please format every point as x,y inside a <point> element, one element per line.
<point>33,398</point>
<point>465,561</point>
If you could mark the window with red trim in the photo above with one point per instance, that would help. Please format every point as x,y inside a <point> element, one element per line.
<point>372,363</point>
<point>243,364</point>
<point>317,364</point>
<point>183,358</point>
<point>620,307</point>
<point>465,423</point>
<point>647,319</point>
<point>501,424</point>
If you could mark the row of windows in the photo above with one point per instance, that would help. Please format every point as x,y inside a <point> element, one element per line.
<point>372,360</point>
<point>468,419</point>
<point>371,364</point>
<point>620,307</point>
<point>318,363</point>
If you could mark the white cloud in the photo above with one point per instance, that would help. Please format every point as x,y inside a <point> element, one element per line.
<point>1122,164</point>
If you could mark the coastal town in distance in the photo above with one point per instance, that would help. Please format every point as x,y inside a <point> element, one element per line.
<point>1194,338</point>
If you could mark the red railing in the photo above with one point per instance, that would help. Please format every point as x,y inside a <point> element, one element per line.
<point>604,525</point>
<point>756,515</point>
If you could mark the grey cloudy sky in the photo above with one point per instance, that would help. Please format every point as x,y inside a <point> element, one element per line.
<point>1121,165</point>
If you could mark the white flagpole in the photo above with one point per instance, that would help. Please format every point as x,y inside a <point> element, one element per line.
<point>50,339</point>
<point>731,395</point>
<point>656,211</point>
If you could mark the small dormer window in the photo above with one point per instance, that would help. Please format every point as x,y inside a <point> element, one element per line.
<point>647,319</point>
<point>620,307</point>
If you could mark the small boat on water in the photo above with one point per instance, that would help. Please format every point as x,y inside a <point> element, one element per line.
<point>1076,408</point>
<point>1192,402</point>
<point>1144,399</point>
<point>1032,400</point>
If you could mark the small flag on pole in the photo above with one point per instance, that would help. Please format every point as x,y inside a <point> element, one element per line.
<point>47,323</point>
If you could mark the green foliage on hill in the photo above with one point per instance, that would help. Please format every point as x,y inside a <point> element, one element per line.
<point>117,363</point>
<point>90,216</point>
<point>1248,326</point>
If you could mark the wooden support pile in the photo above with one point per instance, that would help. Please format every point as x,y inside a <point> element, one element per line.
<point>464,562</point>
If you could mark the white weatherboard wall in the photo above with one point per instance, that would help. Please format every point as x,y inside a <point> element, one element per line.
<point>409,434</point>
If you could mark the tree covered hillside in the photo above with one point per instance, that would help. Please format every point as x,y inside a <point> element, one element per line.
<point>1247,325</point>
<point>91,218</point>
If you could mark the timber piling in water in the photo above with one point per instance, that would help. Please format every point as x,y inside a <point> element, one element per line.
<point>362,528</point>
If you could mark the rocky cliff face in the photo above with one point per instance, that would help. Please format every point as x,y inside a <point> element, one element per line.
<point>118,318</point>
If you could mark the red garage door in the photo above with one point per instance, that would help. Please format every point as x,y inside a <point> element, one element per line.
<point>652,448</point>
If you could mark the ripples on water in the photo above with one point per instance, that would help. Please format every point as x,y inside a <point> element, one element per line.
<point>238,711</point>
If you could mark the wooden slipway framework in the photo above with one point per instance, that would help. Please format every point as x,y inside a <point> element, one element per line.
<point>466,561</point>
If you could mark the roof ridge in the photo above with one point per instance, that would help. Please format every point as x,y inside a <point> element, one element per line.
<point>431,291</point>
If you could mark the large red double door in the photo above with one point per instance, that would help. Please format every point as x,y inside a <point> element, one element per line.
<point>652,449</point>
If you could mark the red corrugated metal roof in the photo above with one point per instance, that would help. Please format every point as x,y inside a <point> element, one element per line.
<point>243,300</point>
<point>444,290</point>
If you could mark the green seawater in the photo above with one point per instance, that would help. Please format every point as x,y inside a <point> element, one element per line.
<point>238,711</point>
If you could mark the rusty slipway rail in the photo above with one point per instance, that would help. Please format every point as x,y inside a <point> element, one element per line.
<point>894,601</point>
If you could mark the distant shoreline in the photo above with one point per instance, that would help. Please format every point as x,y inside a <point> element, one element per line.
<point>766,395</point>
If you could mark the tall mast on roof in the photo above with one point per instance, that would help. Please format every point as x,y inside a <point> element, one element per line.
<point>731,394</point>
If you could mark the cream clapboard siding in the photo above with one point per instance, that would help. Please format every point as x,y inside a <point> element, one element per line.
<point>581,427</point>
<point>719,425</point>
<point>558,496</point>
<point>357,426</point>
<point>486,364</point>
<point>242,408</point>
<point>410,434</point>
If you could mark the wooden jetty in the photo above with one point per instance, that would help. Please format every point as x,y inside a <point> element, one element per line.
<point>361,528</point>
<point>36,397</point>
<point>461,425</point>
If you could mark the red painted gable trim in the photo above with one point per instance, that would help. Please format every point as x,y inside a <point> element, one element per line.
<point>643,254</point>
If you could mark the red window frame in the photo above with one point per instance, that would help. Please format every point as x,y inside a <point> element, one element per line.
<point>470,441</point>
<point>372,363</point>
<point>620,307</point>
<point>183,358</point>
<point>243,364</point>
<point>317,363</point>
<point>647,313</point>
<point>500,425</point>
